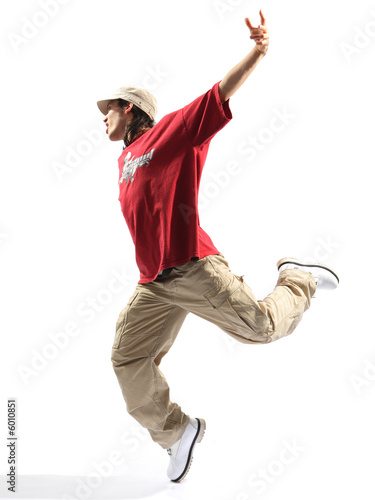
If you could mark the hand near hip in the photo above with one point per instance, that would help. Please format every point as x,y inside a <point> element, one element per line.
<point>260,34</point>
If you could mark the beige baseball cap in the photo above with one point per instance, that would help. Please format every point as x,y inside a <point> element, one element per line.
<point>138,96</point>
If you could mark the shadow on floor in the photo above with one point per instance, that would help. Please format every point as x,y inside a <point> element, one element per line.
<point>83,487</point>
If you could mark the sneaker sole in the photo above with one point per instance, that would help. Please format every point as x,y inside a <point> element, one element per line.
<point>289,261</point>
<point>197,439</point>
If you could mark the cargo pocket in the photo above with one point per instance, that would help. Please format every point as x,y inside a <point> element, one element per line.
<point>121,322</point>
<point>248,313</point>
<point>222,290</point>
<point>237,305</point>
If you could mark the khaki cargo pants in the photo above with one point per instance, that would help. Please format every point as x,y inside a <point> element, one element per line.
<point>150,322</point>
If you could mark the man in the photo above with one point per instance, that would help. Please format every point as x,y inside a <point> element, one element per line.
<point>181,270</point>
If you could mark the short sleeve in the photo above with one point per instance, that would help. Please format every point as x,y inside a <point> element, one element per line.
<point>205,116</point>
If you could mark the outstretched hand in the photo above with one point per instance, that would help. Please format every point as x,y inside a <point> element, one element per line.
<point>259,34</point>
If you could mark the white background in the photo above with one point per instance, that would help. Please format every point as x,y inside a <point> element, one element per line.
<point>307,191</point>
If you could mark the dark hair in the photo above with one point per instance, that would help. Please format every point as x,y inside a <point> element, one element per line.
<point>141,121</point>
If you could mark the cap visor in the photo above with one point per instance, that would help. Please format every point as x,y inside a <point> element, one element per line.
<point>102,105</point>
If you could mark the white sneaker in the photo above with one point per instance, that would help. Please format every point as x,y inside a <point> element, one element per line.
<point>325,278</point>
<point>181,453</point>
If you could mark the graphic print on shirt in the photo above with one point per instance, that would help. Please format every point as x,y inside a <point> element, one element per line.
<point>131,165</point>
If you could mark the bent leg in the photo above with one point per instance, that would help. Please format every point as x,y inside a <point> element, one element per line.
<point>145,331</point>
<point>287,303</point>
<point>214,293</point>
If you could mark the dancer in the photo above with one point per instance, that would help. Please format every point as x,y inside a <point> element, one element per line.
<point>181,270</point>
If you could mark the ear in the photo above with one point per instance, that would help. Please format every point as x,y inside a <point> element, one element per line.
<point>129,108</point>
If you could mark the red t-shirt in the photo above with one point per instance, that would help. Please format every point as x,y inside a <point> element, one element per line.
<point>159,181</point>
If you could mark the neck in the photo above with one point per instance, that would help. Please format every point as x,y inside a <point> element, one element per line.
<point>140,132</point>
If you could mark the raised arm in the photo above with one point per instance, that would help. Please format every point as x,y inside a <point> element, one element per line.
<point>240,73</point>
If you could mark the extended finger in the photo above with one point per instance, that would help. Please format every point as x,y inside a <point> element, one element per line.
<point>248,24</point>
<point>262,18</point>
